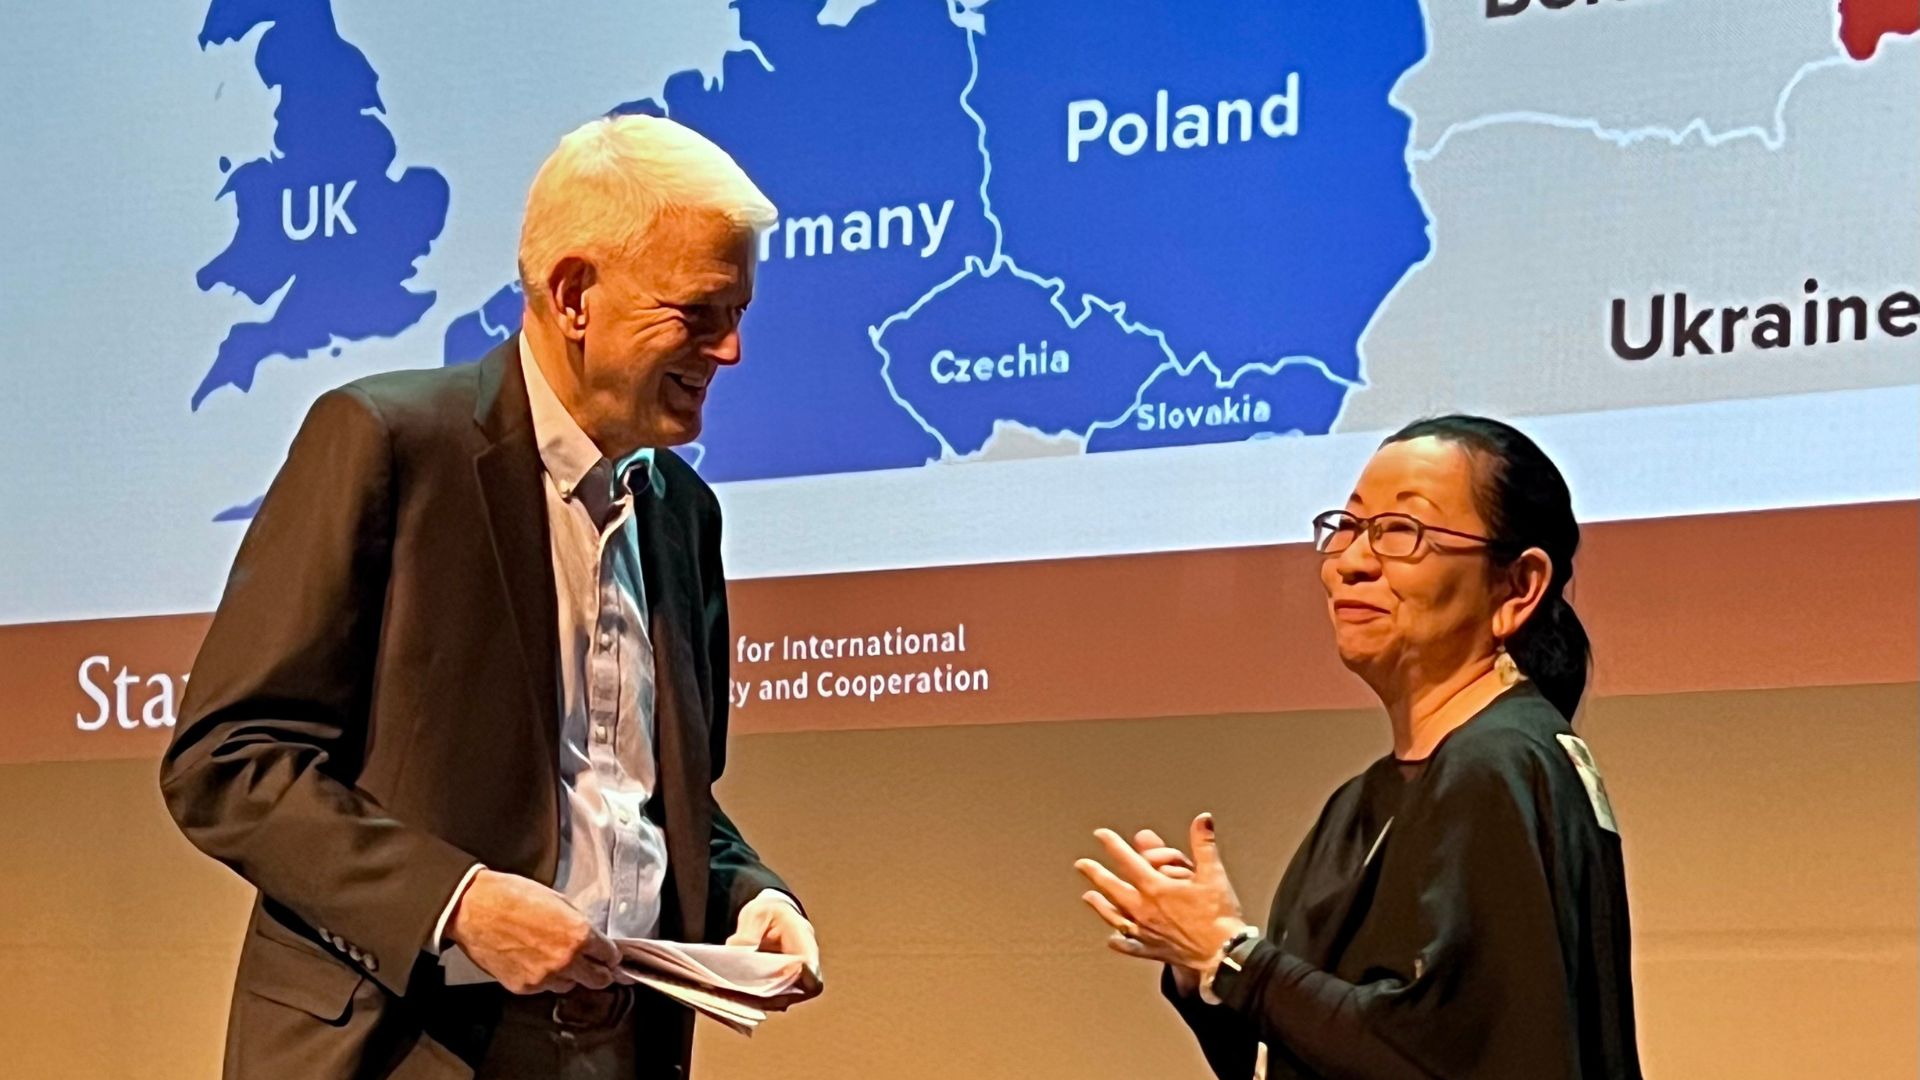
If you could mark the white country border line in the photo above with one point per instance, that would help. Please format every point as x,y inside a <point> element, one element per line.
<point>1426,212</point>
<point>1118,312</point>
<point>874,333</point>
<point>1222,381</point>
<point>1056,287</point>
<point>970,265</point>
<point>488,328</point>
<point>1772,139</point>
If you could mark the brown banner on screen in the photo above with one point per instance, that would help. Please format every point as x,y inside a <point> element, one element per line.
<point>1820,597</point>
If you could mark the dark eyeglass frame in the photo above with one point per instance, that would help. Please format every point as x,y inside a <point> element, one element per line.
<point>1371,527</point>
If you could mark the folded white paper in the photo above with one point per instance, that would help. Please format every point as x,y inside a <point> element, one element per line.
<point>741,1018</point>
<point>733,984</point>
<point>735,970</point>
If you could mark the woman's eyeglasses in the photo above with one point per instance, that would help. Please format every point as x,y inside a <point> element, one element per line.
<point>1391,535</point>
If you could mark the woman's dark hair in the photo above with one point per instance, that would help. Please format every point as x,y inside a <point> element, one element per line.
<point>1525,502</point>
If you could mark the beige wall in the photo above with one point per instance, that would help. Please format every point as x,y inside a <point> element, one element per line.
<point>1772,848</point>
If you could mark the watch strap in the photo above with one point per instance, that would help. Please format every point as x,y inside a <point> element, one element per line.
<point>1232,958</point>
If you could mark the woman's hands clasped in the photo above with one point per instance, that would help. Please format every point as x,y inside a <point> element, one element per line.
<point>1161,904</point>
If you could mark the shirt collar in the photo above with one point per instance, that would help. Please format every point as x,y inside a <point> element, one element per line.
<point>566,452</point>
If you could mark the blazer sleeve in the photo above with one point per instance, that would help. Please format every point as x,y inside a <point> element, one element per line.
<point>261,770</point>
<point>736,874</point>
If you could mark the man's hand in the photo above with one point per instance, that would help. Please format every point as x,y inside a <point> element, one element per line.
<point>528,937</point>
<point>771,923</point>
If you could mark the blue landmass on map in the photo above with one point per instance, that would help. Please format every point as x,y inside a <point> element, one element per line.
<point>1203,406</point>
<point>321,222</point>
<point>849,122</point>
<point>1197,269</point>
<point>242,511</point>
<point>475,334</point>
<point>994,346</point>
<point>857,134</point>
<point>1244,251</point>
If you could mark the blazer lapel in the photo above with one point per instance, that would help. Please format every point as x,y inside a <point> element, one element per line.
<point>508,470</point>
<point>680,713</point>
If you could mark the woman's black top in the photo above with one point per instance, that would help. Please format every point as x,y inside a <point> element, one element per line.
<point>1464,916</point>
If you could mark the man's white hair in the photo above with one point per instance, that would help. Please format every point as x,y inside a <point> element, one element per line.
<point>610,179</point>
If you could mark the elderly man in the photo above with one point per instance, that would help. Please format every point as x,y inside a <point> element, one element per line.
<point>467,688</point>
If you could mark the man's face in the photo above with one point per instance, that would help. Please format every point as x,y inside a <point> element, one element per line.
<point>659,326</point>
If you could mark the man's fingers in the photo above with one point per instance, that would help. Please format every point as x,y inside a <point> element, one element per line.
<point>750,933</point>
<point>801,944</point>
<point>755,919</point>
<point>774,938</point>
<point>590,974</point>
<point>1127,863</point>
<point>812,983</point>
<point>784,931</point>
<point>797,938</point>
<point>600,950</point>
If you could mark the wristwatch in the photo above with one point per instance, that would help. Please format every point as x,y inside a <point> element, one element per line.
<point>1232,960</point>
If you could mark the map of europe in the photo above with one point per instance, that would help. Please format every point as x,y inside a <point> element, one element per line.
<point>967,239</point>
<point>1033,222</point>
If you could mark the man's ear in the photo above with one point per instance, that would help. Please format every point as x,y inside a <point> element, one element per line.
<point>568,284</point>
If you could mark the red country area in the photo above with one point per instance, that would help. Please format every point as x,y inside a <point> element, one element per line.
<point>1864,22</point>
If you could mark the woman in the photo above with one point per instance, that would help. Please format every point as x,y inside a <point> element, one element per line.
<point>1459,910</point>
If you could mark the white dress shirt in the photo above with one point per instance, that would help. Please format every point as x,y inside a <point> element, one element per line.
<point>613,858</point>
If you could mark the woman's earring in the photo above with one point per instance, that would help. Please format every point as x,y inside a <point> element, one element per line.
<point>1504,666</point>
